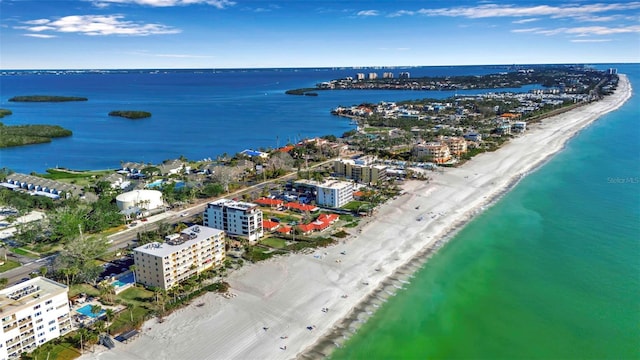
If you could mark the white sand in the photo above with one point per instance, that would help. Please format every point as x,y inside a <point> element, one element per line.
<point>287,294</point>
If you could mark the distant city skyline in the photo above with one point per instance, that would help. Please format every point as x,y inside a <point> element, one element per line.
<point>133,34</point>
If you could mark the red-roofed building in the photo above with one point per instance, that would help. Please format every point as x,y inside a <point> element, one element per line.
<point>286,149</point>
<point>328,218</point>
<point>301,207</point>
<point>284,229</point>
<point>269,225</point>
<point>272,203</point>
<point>306,228</point>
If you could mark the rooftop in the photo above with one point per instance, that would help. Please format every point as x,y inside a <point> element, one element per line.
<point>176,242</point>
<point>239,205</point>
<point>29,292</point>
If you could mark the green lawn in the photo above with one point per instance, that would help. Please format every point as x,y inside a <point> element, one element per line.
<point>83,289</point>
<point>62,351</point>
<point>354,205</point>
<point>8,265</point>
<point>25,252</point>
<point>138,296</point>
<point>274,242</point>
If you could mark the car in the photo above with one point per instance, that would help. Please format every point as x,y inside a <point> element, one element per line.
<point>184,214</point>
<point>144,220</point>
<point>133,224</point>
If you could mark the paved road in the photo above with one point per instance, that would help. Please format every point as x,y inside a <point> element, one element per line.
<point>126,238</point>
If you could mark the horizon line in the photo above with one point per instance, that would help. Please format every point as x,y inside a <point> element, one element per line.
<point>317,67</point>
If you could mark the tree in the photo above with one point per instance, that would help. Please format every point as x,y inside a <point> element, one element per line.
<point>130,307</point>
<point>96,309</point>
<point>109,313</point>
<point>3,282</point>
<point>133,269</point>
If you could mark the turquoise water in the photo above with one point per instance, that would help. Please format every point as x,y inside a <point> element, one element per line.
<point>86,310</point>
<point>124,280</point>
<point>550,272</point>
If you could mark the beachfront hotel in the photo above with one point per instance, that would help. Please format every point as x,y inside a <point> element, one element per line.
<point>33,312</point>
<point>360,170</point>
<point>236,218</point>
<point>331,193</point>
<point>192,251</point>
<point>457,145</point>
<point>436,152</point>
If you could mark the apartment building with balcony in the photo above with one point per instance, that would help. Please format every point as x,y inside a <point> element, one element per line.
<point>236,218</point>
<point>192,251</point>
<point>361,171</point>
<point>457,145</point>
<point>33,312</point>
<point>330,193</point>
<point>436,152</point>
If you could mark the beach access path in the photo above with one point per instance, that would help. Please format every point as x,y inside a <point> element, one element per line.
<point>291,306</point>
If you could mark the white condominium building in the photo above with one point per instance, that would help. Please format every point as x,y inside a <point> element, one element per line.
<point>33,312</point>
<point>331,193</point>
<point>195,249</point>
<point>235,217</point>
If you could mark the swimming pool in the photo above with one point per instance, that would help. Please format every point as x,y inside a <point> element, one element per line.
<point>86,310</point>
<point>155,184</point>
<point>123,280</point>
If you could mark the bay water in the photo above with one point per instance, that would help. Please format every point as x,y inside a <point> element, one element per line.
<point>552,271</point>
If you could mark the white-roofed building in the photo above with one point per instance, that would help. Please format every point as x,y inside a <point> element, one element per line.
<point>192,251</point>
<point>33,312</point>
<point>235,217</point>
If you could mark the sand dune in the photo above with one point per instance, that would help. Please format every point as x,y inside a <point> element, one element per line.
<point>287,294</point>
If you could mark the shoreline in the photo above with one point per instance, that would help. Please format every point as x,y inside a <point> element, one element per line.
<point>391,246</point>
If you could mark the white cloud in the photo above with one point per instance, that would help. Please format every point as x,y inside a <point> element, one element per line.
<point>524,21</point>
<point>41,36</point>
<point>590,40</point>
<point>368,13</point>
<point>493,10</point>
<point>220,4</point>
<point>401,13</point>
<point>528,30</point>
<point>98,25</point>
<point>584,30</point>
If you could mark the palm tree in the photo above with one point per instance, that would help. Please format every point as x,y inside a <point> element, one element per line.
<point>130,307</point>
<point>109,313</point>
<point>133,269</point>
<point>95,310</point>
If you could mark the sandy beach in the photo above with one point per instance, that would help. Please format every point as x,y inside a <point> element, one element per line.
<point>300,306</point>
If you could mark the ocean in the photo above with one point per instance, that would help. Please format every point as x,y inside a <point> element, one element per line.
<point>552,271</point>
<point>195,113</point>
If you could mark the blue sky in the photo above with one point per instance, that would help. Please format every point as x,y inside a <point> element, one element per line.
<point>107,34</point>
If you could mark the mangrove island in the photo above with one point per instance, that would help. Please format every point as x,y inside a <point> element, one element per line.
<point>46,98</point>
<point>130,114</point>
<point>18,135</point>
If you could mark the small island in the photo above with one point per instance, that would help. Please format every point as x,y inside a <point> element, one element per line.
<point>46,98</point>
<point>130,114</point>
<point>19,135</point>
<point>5,112</point>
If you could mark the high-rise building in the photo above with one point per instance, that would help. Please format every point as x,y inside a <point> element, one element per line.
<point>236,218</point>
<point>360,171</point>
<point>192,251</point>
<point>33,312</point>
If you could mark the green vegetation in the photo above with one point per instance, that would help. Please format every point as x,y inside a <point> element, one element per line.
<point>4,112</point>
<point>18,135</point>
<point>8,265</point>
<point>130,114</point>
<point>46,98</point>
<point>274,242</point>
